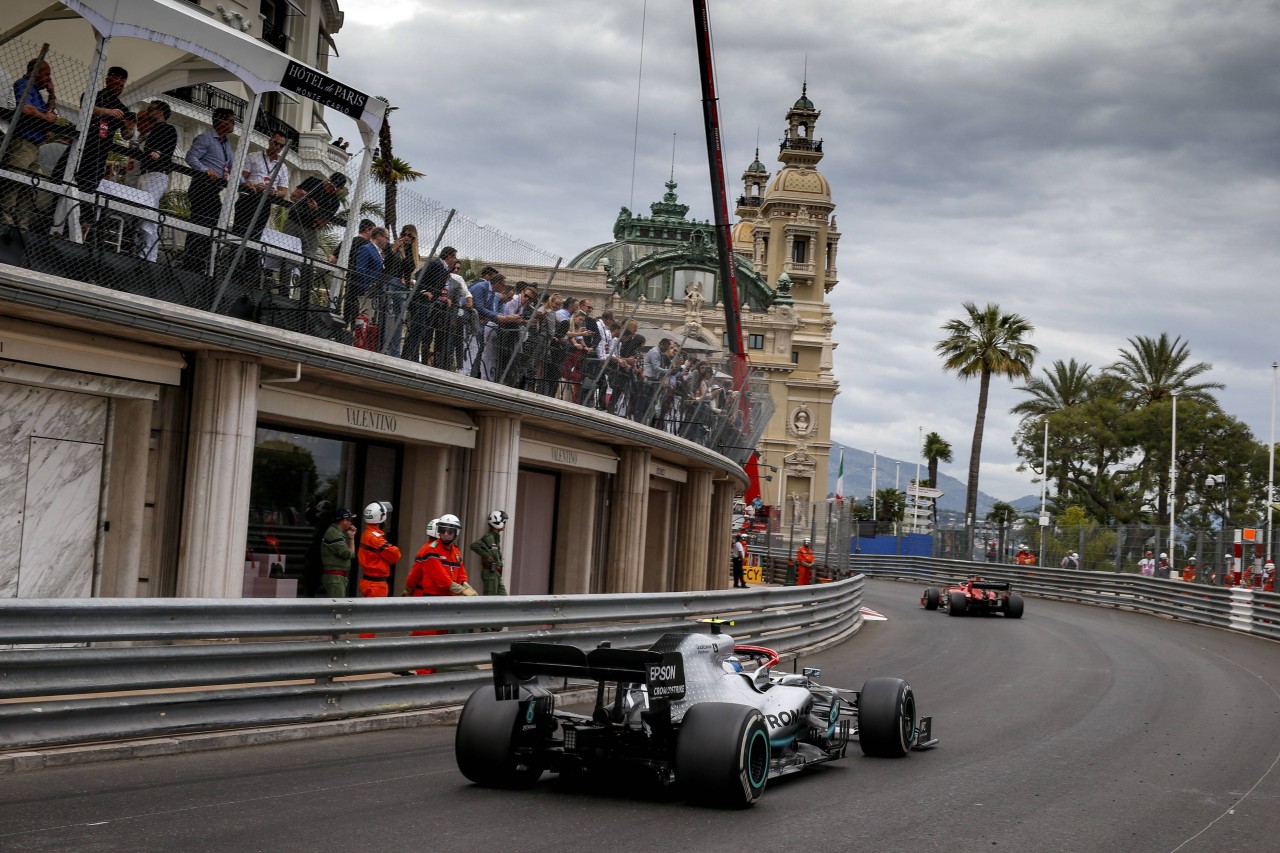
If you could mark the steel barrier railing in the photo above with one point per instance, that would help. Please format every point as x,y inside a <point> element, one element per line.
<point>1238,609</point>
<point>149,667</point>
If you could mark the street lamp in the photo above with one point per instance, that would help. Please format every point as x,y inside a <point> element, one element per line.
<point>1173,483</point>
<point>1213,481</point>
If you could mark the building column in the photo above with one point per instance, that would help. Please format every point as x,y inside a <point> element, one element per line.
<point>219,473</point>
<point>628,519</point>
<point>691,533</point>
<point>495,470</point>
<point>129,441</point>
<point>720,529</point>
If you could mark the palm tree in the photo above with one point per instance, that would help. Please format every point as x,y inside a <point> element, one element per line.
<point>890,505</point>
<point>984,343</point>
<point>1155,369</point>
<point>936,449</point>
<point>1065,385</point>
<point>390,171</point>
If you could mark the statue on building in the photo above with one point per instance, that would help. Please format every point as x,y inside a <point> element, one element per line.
<point>693,301</point>
<point>799,509</point>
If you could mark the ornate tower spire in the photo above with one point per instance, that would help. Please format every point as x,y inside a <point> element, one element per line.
<point>799,148</point>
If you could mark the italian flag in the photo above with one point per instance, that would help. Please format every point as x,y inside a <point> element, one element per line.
<point>840,478</point>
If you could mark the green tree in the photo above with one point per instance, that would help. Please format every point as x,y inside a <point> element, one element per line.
<point>984,343</point>
<point>890,506</point>
<point>1064,386</point>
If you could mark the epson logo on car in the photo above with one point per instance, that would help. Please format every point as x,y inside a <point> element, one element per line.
<point>663,672</point>
<point>666,679</point>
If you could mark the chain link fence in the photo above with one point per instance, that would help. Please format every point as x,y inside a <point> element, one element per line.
<point>140,214</point>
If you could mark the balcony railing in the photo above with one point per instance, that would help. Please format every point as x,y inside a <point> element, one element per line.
<point>275,36</point>
<point>212,98</point>
<point>802,145</point>
<point>750,201</point>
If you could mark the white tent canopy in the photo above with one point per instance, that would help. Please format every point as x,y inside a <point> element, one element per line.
<point>260,67</point>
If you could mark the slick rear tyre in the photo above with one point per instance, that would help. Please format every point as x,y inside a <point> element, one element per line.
<point>957,604</point>
<point>886,718</point>
<point>485,741</point>
<point>722,755</point>
<point>931,598</point>
<point>1013,608</point>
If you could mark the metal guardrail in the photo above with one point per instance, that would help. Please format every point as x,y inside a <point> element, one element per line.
<point>1249,611</point>
<point>149,667</point>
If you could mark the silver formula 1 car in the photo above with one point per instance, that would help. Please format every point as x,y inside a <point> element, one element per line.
<point>686,709</point>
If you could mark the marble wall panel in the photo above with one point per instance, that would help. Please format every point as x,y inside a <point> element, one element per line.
<point>26,412</point>
<point>60,520</point>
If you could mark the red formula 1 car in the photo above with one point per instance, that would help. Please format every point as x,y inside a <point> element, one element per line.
<point>974,596</point>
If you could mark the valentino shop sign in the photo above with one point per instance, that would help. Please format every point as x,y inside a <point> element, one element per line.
<point>438,426</point>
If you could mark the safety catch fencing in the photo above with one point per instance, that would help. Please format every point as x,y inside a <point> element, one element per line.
<point>76,671</point>
<point>1249,611</point>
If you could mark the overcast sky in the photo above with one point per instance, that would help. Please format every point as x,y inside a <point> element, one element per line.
<point>1106,170</point>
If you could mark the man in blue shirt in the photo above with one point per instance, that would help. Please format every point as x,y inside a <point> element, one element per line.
<point>366,273</point>
<point>212,156</point>
<point>38,116</point>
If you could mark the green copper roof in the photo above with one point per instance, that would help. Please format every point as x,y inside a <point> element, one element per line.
<point>804,103</point>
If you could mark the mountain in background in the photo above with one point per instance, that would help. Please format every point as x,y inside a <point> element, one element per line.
<point>857,481</point>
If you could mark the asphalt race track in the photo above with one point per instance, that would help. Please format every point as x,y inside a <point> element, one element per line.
<point>1074,729</point>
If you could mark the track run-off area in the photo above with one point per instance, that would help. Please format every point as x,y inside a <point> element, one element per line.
<point>1073,729</point>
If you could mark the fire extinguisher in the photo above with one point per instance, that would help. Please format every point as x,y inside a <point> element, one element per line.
<point>360,331</point>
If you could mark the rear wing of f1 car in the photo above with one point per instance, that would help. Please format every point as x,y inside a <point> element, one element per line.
<point>661,673</point>
<point>994,586</point>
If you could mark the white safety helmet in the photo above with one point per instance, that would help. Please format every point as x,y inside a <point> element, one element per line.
<point>1192,560</point>
<point>432,533</point>
<point>498,519</point>
<point>806,542</point>
<point>1164,556</point>
<point>377,512</point>
<point>448,521</point>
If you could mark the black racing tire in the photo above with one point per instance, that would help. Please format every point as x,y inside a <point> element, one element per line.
<point>957,604</point>
<point>886,718</point>
<point>1013,607</point>
<point>484,744</point>
<point>722,755</point>
<point>931,598</point>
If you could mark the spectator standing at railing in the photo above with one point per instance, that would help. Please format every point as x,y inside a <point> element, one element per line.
<point>1024,557</point>
<point>153,159</point>
<point>460,319</point>
<point>109,117</point>
<point>509,362</point>
<point>366,287</point>
<point>1163,566</point>
<point>657,367</point>
<point>486,296</point>
<point>1189,571</point>
<point>428,306</point>
<point>1147,565</point>
<point>1071,561</point>
<point>255,180</point>
<point>738,560</point>
<point>38,116</point>
<point>211,155</point>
